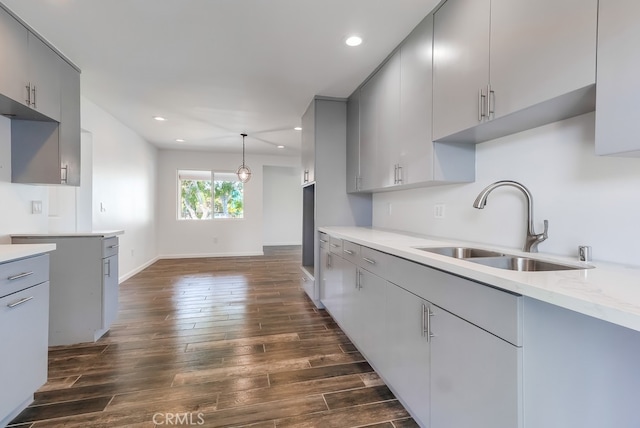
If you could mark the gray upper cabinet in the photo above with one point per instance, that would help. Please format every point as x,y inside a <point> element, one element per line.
<point>460,64</point>
<point>503,66</point>
<point>44,78</point>
<point>395,110</point>
<point>14,58</point>
<point>40,91</point>
<point>618,107</point>
<point>69,130</point>
<point>308,145</point>
<point>353,142</point>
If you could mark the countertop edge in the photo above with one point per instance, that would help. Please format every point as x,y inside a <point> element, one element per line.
<point>12,252</point>
<point>605,292</point>
<point>99,234</point>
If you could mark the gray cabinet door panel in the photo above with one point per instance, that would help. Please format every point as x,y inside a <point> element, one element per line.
<point>44,75</point>
<point>540,50</point>
<point>353,142</point>
<point>460,64</point>
<point>14,58</point>
<point>476,376</point>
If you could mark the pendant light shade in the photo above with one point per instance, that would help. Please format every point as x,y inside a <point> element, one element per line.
<point>243,172</point>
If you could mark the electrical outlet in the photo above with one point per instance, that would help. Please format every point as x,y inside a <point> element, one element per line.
<point>389,208</point>
<point>103,208</point>
<point>439,210</point>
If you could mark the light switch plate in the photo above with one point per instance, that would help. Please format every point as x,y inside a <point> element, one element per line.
<point>36,207</point>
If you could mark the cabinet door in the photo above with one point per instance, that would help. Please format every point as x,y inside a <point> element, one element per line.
<point>307,148</point>
<point>44,76</point>
<point>540,50</point>
<point>368,134</point>
<point>460,64</point>
<point>14,58</point>
<point>353,142</point>
<point>24,320</point>
<point>349,299</point>
<point>69,128</point>
<point>406,369</point>
<point>415,146</point>
<point>476,377</point>
<point>388,122</point>
<point>110,289</point>
<point>370,311</point>
<point>617,103</point>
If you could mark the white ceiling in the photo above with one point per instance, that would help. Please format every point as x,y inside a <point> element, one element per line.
<point>216,68</point>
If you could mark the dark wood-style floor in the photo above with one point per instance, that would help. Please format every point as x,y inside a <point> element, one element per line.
<point>216,343</point>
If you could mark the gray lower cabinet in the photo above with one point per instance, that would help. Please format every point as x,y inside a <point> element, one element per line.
<point>476,378</point>
<point>84,286</point>
<point>450,368</point>
<point>408,363</point>
<point>24,318</point>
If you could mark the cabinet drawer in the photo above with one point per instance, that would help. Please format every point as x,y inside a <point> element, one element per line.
<point>375,262</point>
<point>324,239</point>
<point>496,311</point>
<point>21,274</point>
<point>335,245</point>
<point>110,247</point>
<point>350,251</point>
<point>24,318</point>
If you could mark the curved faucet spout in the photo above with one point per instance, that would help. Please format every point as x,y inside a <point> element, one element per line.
<point>532,239</point>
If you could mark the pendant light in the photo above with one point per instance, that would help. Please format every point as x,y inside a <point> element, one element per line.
<point>243,172</point>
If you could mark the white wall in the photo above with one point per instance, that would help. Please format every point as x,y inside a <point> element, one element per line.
<point>588,200</point>
<point>217,237</point>
<point>15,199</point>
<point>124,183</point>
<point>282,206</point>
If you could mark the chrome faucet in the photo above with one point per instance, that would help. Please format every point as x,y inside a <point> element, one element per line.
<point>532,240</point>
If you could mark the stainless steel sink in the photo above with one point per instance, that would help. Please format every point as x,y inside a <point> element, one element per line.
<point>500,260</point>
<point>461,252</point>
<point>523,264</point>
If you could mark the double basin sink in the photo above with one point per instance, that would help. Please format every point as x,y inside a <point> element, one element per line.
<point>500,260</point>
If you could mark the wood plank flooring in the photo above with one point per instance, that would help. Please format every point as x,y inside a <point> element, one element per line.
<point>216,342</point>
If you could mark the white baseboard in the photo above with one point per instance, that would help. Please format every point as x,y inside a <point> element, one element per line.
<point>137,270</point>
<point>278,244</point>
<point>199,256</point>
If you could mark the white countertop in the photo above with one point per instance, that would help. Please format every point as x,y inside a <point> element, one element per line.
<point>608,292</point>
<point>100,234</point>
<point>12,252</point>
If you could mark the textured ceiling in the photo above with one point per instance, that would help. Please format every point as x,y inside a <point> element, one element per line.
<point>216,68</point>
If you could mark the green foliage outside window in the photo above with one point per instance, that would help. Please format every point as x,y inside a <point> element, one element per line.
<point>196,202</point>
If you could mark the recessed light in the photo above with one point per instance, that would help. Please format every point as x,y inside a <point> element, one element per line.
<point>180,140</point>
<point>297,128</point>
<point>160,118</point>
<point>281,147</point>
<point>353,41</point>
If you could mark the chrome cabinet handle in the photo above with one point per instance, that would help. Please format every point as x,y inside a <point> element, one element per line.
<point>19,302</point>
<point>113,246</point>
<point>426,322</point>
<point>328,260</point>
<point>358,279</point>
<point>33,91</point>
<point>344,250</point>
<point>323,241</point>
<point>490,106</point>
<point>108,269</point>
<point>481,105</point>
<point>373,262</point>
<point>334,245</point>
<point>399,174</point>
<point>21,275</point>
<point>64,174</point>
<point>28,99</point>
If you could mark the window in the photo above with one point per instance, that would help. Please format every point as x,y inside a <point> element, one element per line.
<point>204,195</point>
